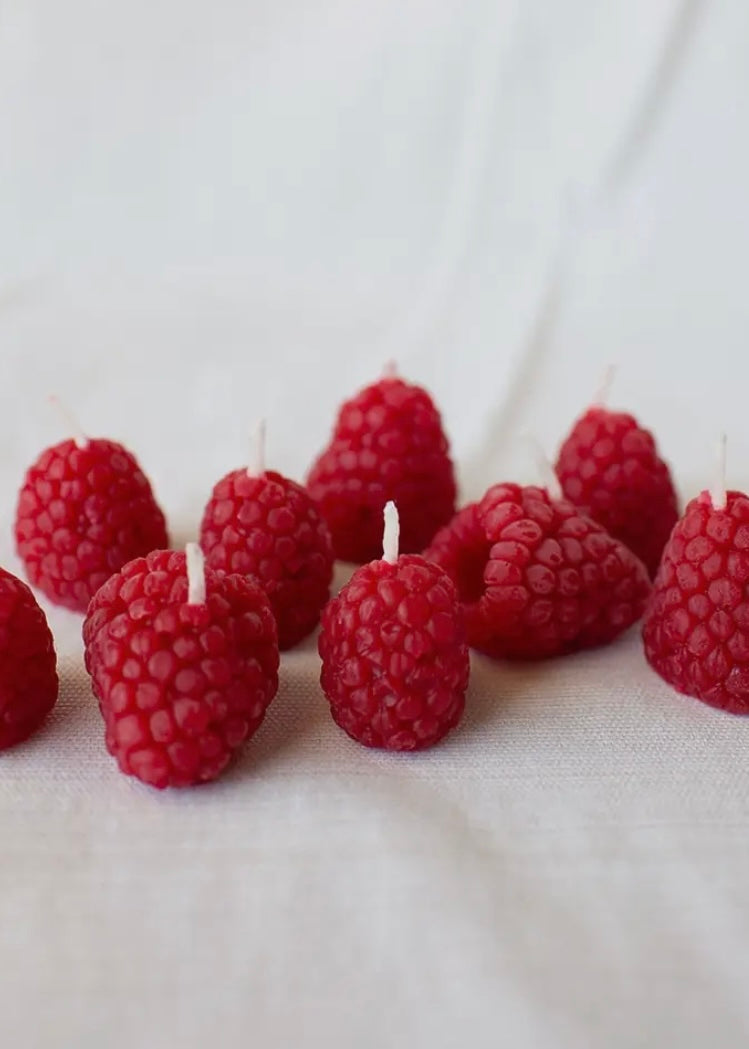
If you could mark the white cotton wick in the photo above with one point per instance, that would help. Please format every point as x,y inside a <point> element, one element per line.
<point>79,437</point>
<point>718,494</point>
<point>257,452</point>
<point>391,533</point>
<point>390,371</point>
<point>601,398</point>
<point>546,472</point>
<point>195,574</point>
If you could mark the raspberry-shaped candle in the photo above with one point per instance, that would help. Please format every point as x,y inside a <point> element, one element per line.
<point>394,658</point>
<point>261,524</point>
<point>696,628</point>
<point>536,578</point>
<point>85,509</point>
<point>184,662</point>
<point>609,467</point>
<point>28,666</point>
<point>387,444</point>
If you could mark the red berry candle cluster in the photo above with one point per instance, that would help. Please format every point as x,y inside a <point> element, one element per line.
<point>183,646</point>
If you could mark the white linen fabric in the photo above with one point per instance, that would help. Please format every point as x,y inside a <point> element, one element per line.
<point>212,212</point>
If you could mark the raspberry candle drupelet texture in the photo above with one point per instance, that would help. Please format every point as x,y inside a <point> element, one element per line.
<point>609,467</point>
<point>395,663</point>
<point>184,663</point>
<point>28,665</point>
<point>84,510</point>
<point>696,629</point>
<point>536,578</point>
<point>261,524</point>
<point>387,444</point>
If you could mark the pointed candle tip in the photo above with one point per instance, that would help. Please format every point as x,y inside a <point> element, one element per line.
<point>391,534</point>
<point>390,371</point>
<point>195,574</point>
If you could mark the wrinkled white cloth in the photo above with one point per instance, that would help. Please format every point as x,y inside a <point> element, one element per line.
<point>213,212</point>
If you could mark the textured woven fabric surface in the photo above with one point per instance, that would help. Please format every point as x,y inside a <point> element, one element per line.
<point>210,213</point>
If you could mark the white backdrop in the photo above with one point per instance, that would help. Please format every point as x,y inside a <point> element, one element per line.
<point>210,212</point>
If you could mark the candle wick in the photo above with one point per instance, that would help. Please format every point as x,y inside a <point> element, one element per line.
<point>195,574</point>
<point>79,437</point>
<point>390,371</point>
<point>546,472</point>
<point>718,493</point>
<point>391,533</point>
<point>257,453</point>
<point>601,398</point>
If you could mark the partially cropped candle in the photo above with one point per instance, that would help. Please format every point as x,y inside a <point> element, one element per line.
<point>696,630</point>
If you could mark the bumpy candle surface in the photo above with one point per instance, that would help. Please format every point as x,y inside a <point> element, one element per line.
<point>28,665</point>
<point>536,578</point>
<point>609,467</point>
<point>387,443</point>
<point>696,629</point>
<point>267,527</point>
<point>395,662</point>
<point>84,510</point>
<point>181,686</point>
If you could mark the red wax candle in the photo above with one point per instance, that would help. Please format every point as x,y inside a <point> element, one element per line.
<point>536,577</point>
<point>85,508</point>
<point>28,665</point>
<point>696,630</point>
<point>610,468</point>
<point>387,444</point>
<point>394,659</point>
<point>263,525</point>
<point>183,661</point>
